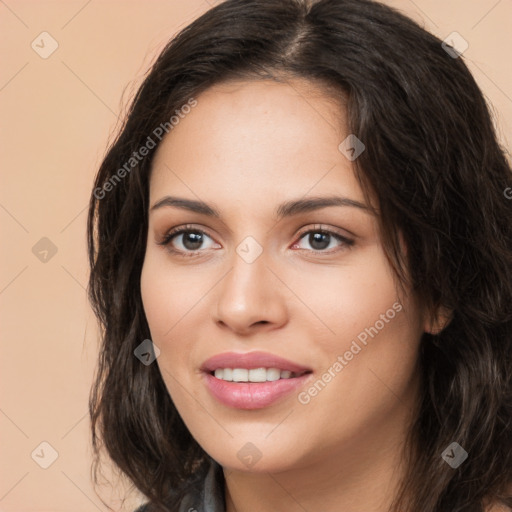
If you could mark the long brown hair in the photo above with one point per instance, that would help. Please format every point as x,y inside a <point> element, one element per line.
<point>441,178</point>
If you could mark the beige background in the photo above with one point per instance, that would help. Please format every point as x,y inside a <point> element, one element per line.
<point>57,115</point>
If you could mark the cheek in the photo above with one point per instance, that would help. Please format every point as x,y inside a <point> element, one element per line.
<point>174,309</point>
<point>169,296</point>
<point>164,307</point>
<point>349,297</point>
<point>372,343</point>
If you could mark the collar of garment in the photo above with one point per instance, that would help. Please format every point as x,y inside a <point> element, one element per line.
<point>207,495</point>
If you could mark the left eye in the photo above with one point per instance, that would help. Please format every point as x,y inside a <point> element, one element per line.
<point>191,240</point>
<point>320,239</point>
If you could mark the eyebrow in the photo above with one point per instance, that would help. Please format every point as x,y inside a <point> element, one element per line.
<point>286,209</point>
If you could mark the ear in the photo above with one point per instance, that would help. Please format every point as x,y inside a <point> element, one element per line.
<point>437,322</point>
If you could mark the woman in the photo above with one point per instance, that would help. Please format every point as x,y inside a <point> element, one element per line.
<point>301,249</point>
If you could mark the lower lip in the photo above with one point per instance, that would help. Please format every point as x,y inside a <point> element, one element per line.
<point>252,395</point>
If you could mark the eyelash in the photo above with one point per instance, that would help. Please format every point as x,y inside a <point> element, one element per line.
<point>166,241</point>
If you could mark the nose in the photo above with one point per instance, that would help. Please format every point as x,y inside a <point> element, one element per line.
<point>250,298</point>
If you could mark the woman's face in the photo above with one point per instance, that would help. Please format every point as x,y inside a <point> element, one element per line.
<point>280,282</point>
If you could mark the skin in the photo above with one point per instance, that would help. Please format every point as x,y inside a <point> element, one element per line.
<point>246,148</point>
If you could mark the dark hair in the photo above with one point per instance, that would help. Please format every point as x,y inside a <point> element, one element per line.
<point>434,164</point>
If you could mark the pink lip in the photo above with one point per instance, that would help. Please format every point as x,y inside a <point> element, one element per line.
<point>251,360</point>
<point>252,395</point>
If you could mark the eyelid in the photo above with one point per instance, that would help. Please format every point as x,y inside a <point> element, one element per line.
<point>169,235</point>
<point>345,241</point>
<point>166,238</point>
<point>325,229</point>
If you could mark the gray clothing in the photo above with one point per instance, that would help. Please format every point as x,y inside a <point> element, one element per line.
<point>207,495</point>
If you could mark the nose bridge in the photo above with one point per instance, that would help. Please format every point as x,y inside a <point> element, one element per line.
<point>249,293</point>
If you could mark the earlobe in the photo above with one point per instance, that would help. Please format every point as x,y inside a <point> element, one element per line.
<point>438,321</point>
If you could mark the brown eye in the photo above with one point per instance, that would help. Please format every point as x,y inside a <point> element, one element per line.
<point>322,239</point>
<point>186,240</point>
<point>191,240</point>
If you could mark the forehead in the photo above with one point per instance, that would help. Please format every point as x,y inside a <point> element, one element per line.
<point>256,138</point>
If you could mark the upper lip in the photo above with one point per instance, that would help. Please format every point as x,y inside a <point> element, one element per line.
<point>250,360</point>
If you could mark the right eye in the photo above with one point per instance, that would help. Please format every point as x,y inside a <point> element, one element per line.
<point>186,240</point>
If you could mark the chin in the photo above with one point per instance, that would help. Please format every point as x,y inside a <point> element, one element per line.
<point>255,456</point>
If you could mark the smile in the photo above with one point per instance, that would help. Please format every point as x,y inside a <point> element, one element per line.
<point>254,374</point>
<point>252,380</point>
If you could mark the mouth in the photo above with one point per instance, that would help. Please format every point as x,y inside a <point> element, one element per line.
<point>255,374</point>
<point>252,380</point>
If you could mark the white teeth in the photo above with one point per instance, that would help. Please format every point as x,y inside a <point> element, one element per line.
<point>273,374</point>
<point>240,375</point>
<point>257,375</point>
<point>252,375</point>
